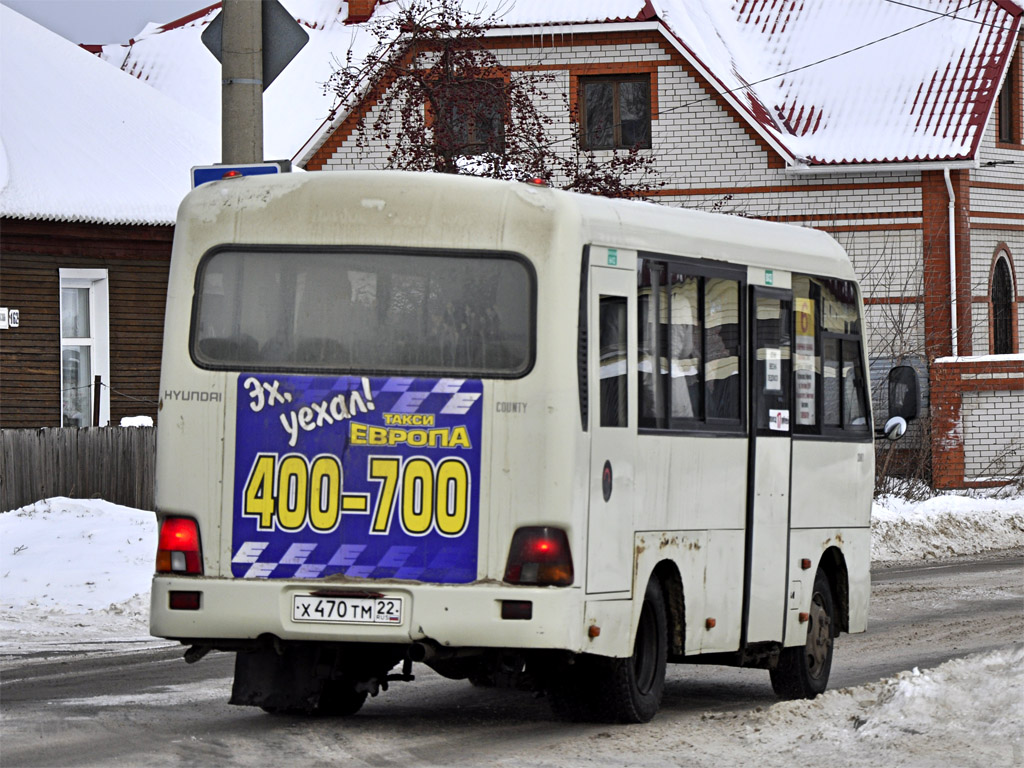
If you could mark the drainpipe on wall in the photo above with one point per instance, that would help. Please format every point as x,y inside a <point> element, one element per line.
<point>952,260</point>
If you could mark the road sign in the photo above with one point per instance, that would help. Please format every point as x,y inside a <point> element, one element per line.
<point>283,37</point>
<point>204,173</point>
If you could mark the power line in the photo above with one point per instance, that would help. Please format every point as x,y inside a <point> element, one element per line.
<point>951,15</point>
<point>115,391</point>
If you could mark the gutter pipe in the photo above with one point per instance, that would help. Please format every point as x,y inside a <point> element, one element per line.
<point>952,261</point>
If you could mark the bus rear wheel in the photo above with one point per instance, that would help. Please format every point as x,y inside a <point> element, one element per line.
<point>802,671</point>
<point>635,685</point>
<point>629,690</point>
<point>340,699</point>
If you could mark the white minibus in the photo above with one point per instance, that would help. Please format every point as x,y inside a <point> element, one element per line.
<point>523,436</point>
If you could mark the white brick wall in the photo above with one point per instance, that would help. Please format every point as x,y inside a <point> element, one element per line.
<point>993,434</point>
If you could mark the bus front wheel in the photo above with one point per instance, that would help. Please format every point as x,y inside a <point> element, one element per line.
<point>803,670</point>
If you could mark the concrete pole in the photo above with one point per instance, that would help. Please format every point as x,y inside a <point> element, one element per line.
<point>242,82</point>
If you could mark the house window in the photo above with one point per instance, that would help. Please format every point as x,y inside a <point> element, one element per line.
<point>1008,106</point>
<point>615,112</point>
<point>475,119</point>
<point>84,346</point>
<point>1002,309</point>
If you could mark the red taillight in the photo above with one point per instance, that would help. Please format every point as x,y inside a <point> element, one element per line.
<point>539,556</point>
<point>178,550</point>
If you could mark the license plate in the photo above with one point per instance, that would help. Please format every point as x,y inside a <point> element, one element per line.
<point>347,610</point>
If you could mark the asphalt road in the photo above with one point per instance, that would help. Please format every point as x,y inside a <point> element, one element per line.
<point>147,707</point>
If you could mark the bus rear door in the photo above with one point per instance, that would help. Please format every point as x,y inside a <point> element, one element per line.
<point>612,397</point>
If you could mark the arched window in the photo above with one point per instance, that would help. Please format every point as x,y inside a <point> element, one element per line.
<point>1002,309</point>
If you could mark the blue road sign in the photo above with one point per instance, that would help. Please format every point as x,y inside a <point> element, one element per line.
<point>204,173</point>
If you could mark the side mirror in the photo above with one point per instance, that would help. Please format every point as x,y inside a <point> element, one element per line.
<point>895,428</point>
<point>903,394</point>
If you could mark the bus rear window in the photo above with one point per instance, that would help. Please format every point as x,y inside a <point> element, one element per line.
<point>402,312</point>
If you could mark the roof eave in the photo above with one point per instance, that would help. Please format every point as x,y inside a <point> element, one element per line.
<point>805,169</point>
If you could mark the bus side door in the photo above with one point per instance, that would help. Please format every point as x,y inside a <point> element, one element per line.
<point>768,503</point>
<point>611,374</point>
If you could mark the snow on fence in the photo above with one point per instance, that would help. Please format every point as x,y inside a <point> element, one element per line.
<point>117,464</point>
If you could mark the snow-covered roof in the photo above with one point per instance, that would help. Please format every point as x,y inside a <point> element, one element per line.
<point>81,142</point>
<point>857,81</point>
<point>824,82</point>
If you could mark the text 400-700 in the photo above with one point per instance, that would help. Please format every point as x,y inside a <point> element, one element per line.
<point>292,493</point>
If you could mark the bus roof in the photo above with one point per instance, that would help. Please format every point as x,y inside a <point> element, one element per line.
<point>463,211</point>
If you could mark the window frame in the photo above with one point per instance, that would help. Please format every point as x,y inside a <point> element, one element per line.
<point>615,80</point>
<point>1002,259</point>
<point>96,281</point>
<point>820,430</point>
<point>471,144</point>
<point>1009,130</point>
<point>703,425</point>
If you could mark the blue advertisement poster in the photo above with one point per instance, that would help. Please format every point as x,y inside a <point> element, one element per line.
<point>365,477</point>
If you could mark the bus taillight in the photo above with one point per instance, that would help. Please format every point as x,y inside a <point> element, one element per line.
<point>539,556</point>
<point>178,550</point>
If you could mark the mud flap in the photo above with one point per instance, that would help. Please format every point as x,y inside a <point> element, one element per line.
<point>285,681</point>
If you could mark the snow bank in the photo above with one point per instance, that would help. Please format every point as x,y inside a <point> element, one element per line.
<point>944,526</point>
<point>75,570</point>
<point>966,712</point>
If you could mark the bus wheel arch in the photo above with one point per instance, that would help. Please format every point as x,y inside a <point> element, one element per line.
<point>833,564</point>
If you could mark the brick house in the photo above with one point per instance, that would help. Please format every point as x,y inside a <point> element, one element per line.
<point>88,197</point>
<point>918,174</point>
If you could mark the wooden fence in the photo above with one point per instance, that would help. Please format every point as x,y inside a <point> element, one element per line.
<point>117,464</point>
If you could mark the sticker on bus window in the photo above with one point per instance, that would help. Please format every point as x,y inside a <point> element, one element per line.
<point>364,477</point>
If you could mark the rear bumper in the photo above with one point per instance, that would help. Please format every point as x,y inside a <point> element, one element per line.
<point>458,616</point>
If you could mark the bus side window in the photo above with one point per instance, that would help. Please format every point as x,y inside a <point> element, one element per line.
<point>806,360</point>
<point>652,312</point>
<point>613,341</point>
<point>685,341</point>
<point>722,361</point>
<point>839,393</point>
<point>688,344</point>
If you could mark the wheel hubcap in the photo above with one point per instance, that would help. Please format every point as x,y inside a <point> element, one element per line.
<point>819,637</point>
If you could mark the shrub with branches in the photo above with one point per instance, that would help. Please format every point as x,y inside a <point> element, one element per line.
<point>444,102</point>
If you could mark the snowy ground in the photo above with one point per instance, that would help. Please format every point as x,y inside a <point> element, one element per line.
<point>75,574</point>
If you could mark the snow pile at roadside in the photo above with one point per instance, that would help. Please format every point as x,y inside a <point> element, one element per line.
<point>944,526</point>
<point>75,571</point>
<point>964,712</point>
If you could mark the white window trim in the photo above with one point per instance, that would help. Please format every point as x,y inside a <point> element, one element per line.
<point>99,323</point>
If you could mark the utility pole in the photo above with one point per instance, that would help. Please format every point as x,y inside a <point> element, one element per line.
<point>242,82</point>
